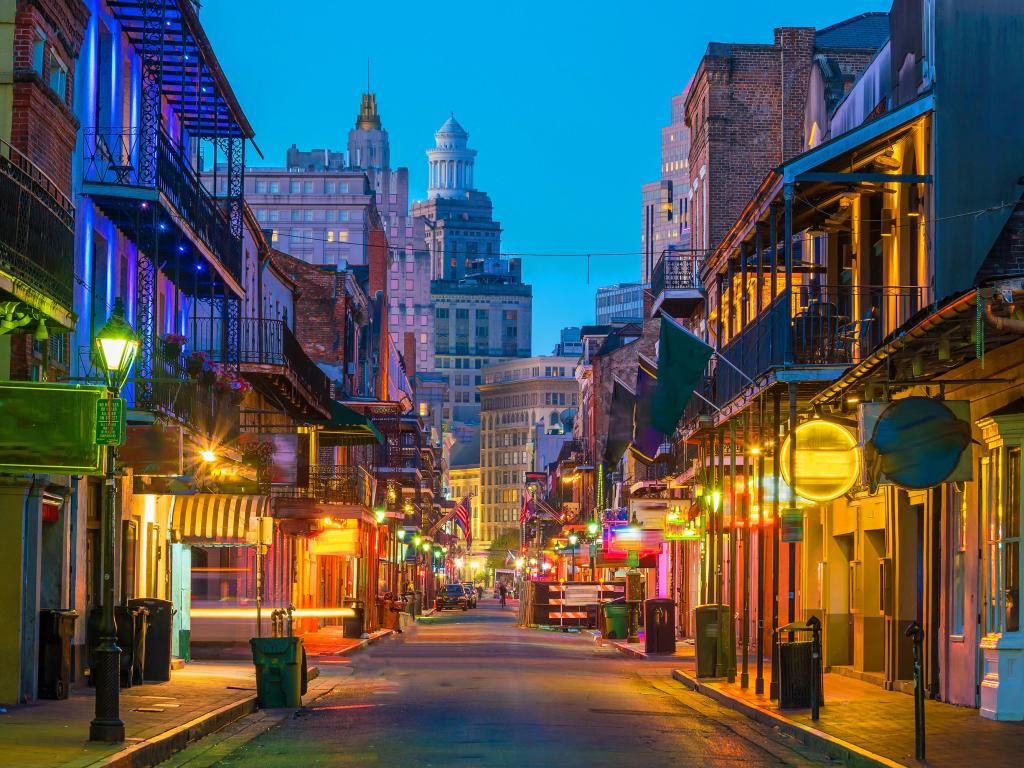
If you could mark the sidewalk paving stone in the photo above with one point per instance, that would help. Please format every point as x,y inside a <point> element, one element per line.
<point>864,724</point>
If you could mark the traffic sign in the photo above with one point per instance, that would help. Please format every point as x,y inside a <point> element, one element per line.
<point>110,421</point>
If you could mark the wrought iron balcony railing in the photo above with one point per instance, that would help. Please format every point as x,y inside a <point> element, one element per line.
<point>112,158</point>
<point>332,485</point>
<point>824,325</point>
<point>262,343</point>
<point>37,228</point>
<point>677,271</point>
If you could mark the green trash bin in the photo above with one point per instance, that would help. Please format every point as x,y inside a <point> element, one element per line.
<point>278,662</point>
<point>616,621</point>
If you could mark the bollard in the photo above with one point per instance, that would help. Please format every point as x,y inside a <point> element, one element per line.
<point>815,624</point>
<point>916,635</point>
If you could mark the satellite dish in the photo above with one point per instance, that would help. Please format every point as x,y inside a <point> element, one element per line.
<point>917,443</point>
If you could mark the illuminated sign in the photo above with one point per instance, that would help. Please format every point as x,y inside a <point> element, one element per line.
<point>827,460</point>
<point>49,428</point>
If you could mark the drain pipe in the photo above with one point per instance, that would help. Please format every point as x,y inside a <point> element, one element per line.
<point>1009,324</point>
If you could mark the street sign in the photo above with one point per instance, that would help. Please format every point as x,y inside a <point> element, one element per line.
<point>792,526</point>
<point>110,421</point>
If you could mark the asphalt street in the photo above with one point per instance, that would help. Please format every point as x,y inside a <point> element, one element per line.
<point>472,689</point>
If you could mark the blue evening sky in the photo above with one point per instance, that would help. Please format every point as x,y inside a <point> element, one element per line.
<point>563,100</point>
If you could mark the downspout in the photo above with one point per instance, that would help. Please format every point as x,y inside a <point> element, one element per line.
<point>1008,324</point>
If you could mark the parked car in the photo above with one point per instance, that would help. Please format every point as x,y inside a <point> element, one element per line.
<point>453,596</point>
<point>470,593</point>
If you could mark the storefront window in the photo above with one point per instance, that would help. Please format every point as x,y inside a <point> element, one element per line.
<point>1001,488</point>
<point>958,541</point>
<point>1012,540</point>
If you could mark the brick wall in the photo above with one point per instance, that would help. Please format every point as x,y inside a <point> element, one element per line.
<point>1006,259</point>
<point>320,308</point>
<point>745,112</point>
<point>43,125</point>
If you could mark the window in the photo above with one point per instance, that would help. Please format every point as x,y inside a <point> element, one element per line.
<point>293,187</point>
<point>342,215</point>
<point>296,214</point>
<point>261,215</point>
<point>275,215</point>
<point>328,187</point>
<point>38,52</point>
<point>275,187</point>
<point>307,215</point>
<point>342,188</point>
<point>958,542</point>
<point>261,186</point>
<point>58,78</point>
<point>342,235</point>
<point>330,239</point>
<point>1000,487</point>
<point>307,187</point>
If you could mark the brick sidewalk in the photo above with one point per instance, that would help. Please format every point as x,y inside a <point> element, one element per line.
<point>877,724</point>
<point>329,641</point>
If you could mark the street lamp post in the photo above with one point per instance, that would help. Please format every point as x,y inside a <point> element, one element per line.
<point>572,558</point>
<point>117,346</point>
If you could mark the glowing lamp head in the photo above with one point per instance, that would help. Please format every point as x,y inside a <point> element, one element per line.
<point>519,564</point>
<point>401,534</point>
<point>426,546</point>
<point>117,346</point>
<point>573,539</point>
<point>416,540</point>
<point>208,456</point>
<point>379,515</point>
<point>716,499</point>
<point>592,529</point>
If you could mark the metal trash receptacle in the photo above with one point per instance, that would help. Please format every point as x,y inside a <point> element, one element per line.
<point>140,617</point>
<point>278,662</point>
<point>706,640</point>
<point>616,620</point>
<point>157,662</point>
<point>354,626</point>
<point>56,630</point>
<point>125,625</point>
<point>659,625</point>
<point>796,671</point>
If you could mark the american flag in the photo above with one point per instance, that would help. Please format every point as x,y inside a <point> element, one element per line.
<point>462,516</point>
<point>525,509</point>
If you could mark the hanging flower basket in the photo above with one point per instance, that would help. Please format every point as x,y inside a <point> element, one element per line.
<point>173,344</point>
<point>195,364</point>
<point>239,389</point>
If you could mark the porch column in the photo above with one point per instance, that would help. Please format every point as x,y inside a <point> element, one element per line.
<point>791,571</point>
<point>733,528</point>
<point>787,245</point>
<point>773,691</point>
<point>758,298</point>
<point>743,286</point>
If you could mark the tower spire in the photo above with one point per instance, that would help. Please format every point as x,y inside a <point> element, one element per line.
<point>368,119</point>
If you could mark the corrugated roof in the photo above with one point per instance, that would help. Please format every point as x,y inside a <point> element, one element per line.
<point>465,454</point>
<point>869,30</point>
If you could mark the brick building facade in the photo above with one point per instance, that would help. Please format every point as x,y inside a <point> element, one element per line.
<point>745,111</point>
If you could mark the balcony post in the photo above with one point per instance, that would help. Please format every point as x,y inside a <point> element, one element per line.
<point>759,280</point>
<point>787,244</point>
<point>773,687</point>
<point>791,571</point>
<point>773,241</point>
<point>721,309</point>
<point>743,285</point>
<point>730,277</point>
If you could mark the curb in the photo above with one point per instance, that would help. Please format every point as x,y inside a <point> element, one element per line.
<point>835,748</point>
<point>160,748</point>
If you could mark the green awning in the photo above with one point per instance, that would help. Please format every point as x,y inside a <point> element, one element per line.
<point>682,358</point>
<point>348,427</point>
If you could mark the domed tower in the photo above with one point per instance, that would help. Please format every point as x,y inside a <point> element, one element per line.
<point>368,142</point>
<point>451,162</point>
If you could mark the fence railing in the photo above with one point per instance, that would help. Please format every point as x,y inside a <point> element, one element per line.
<point>677,271</point>
<point>112,157</point>
<point>37,228</point>
<point>333,485</point>
<point>827,325</point>
<point>262,342</point>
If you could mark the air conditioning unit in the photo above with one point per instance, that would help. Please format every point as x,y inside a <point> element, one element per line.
<point>868,415</point>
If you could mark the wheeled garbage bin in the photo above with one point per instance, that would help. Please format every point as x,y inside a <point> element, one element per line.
<point>659,625</point>
<point>708,630</point>
<point>616,620</point>
<point>56,630</point>
<point>278,662</point>
<point>157,663</point>
<point>125,625</point>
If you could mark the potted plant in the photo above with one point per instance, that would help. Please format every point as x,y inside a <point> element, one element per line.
<point>239,389</point>
<point>222,381</point>
<point>195,363</point>
<point>173,343</point>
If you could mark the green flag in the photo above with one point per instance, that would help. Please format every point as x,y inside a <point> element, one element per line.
<point>682,358</point>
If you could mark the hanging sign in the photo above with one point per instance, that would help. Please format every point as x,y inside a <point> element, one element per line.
<point>827,460</point>
<point>792,530</point>
<point>633,558</point>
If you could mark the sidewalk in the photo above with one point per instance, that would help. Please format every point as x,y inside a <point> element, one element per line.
<point>329,641</point>
<point>199,699</point>
<point>863,724</point>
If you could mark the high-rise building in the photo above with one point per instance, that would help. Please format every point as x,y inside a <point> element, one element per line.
<point>516,396</point>
<point>665,202</point>
<point>320,209</point>
<point>482,311</point>
<point>619,303</point>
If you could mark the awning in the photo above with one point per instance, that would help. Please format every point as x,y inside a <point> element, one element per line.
<point>348,427</point>
<point>215,519</point>
<point>647,438</point>
<point>620,421</point>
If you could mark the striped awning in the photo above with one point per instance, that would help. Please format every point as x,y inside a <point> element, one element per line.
<point>216,519</point>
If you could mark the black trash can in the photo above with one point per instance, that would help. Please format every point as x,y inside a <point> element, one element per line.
<point>660,625</point>
<point>353,626</point>
<point>56,630</point>
<point>796,673</point>
<point>157,663</point>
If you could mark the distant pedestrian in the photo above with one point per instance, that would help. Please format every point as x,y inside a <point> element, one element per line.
<point>503,591</point>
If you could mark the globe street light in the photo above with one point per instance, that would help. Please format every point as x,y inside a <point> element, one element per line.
<point>117,346</point>
<point>572,558</point>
